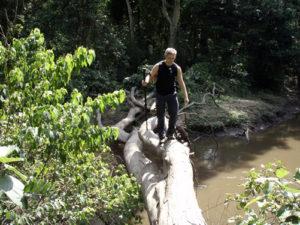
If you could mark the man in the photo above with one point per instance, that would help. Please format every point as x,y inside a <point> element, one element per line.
<point>166,71</point>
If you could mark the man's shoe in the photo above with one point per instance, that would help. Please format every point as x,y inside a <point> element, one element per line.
<point>171,137</point>
<point>161,137</point>
<point>162,140</point>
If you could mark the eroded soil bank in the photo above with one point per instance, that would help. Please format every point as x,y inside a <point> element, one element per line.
<point>226,116</point>
<point>233,116</point>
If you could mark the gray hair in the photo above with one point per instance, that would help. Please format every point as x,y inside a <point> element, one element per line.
<point>170,51</point>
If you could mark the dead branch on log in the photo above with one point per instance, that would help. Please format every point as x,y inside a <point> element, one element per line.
<point>216,88</point>
<point>98,115</point>
<point>137,106</point>
<point>139,102</point>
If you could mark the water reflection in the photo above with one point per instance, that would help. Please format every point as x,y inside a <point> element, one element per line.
<point>220,167</point>
<point>231,152</point>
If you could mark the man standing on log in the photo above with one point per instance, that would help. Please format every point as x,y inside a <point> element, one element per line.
<point>166,71</point>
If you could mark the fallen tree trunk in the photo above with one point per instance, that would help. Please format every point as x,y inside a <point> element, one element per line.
<point>164,171</point>
<point>136,108</point>
<point>167,182</point>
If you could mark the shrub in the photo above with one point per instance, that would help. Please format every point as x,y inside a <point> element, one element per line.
<point>66,160</point>
<point>276,197</point>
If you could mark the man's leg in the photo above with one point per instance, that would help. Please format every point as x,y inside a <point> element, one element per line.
<point>160,113</point>
<point>173,111</point>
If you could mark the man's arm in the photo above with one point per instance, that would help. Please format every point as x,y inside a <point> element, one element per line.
<point>182,85</point>
<point>151,75</point>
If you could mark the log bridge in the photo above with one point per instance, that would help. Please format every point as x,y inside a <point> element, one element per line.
<point>164,171</point>
<point>166,176</point>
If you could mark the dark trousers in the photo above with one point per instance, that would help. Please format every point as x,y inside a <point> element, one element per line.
<point>172,103</point>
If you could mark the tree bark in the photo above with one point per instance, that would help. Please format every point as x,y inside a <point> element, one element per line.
<point>166,178</point>
<point>173,19</point>
<point>129,9</point>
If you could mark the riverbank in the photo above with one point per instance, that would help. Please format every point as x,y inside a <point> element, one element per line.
<point>226,115</point>
<point>235,116</point>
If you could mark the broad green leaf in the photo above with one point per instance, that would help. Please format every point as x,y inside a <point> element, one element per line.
<point>284,212</point>
<point>293,190</point>
<point>33,131</point>
<point>122,96</point>
<point>269,165</point>
<point>37,186</point>
<point>8,160</point>
<point>13,188</point>
<point>281,172</point>
<point>240,223</point>
<point>7,150</point>
<point>45,188</point>
<point>254,200</point>
<point>85,117</point>
<point>293,219</point>
<point>11,168</point>
<point>297,175</point>
<point>54,113</point>
<point>92,53</point>
<point>90,57</point>
<point>102,105</point>
<point>268,187</point>
<point>241,205</point>
<point>115,132</point>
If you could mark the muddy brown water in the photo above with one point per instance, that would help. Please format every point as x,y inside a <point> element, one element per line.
<point>219,168</point>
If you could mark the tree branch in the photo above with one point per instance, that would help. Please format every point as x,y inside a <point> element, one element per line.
<point>165,11</point>
<point>216,88</point>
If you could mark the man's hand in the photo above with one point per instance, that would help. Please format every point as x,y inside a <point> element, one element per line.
<point>144,83</point>
<point>186,101</point>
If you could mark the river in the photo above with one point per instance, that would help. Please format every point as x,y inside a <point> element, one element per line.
<point>219,165</point>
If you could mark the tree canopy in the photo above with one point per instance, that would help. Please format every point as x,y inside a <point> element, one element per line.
<point>257,41</point>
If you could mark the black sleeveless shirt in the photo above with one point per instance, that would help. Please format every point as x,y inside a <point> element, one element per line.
<point>165,83</point>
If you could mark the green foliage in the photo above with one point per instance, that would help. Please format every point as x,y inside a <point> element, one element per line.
<point>246,44</point>
<point>93,82</point>
<point>58,135</point>
<point>135,80</point>
<point>67,25</point>
<point>201,76</point>
<point>268,40</point>
<point>235,119</point>
<point>32,77</point>
<point>81,188</point>
<point>253,39</point>
<point>12,187</point>
<point>276,197</point>
<point>132,81</point>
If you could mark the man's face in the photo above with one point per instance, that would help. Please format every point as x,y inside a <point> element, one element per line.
<point>170,59</point>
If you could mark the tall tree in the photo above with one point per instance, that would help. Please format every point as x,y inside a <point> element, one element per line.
<point>171,13</point>
<point>130,16</point>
